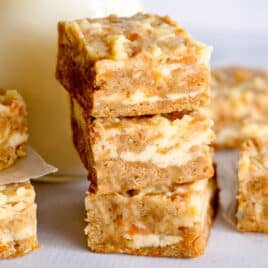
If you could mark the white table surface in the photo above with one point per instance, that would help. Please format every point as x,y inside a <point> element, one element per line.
<point>61,222</point>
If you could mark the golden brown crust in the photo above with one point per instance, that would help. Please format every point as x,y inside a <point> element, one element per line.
<point>121,176</point>
<point>165,106</point>
<point>18,248</point>
<point>154,67</point>
<point>193,245</point>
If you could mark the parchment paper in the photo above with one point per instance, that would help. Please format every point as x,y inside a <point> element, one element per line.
<point>32,166</point>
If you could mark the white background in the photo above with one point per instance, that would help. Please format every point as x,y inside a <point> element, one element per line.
<point>241,15</point>
<point>238,29</point>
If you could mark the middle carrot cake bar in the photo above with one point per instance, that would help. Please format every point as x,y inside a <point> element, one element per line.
<point>144,64</point>
<point>169,221</point>
<point>132,153</point>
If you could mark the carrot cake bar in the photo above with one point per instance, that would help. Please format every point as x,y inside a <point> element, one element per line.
<point>239,98</point>
<point>252,214</point>
<point>13,127</point>
<point>144,64</point>
<point>172,221</point>
<point>17,220</point>
<point>122,154</point>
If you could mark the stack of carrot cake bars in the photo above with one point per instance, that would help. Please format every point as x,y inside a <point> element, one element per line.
<point>136,86</point>
<point>17,200</point>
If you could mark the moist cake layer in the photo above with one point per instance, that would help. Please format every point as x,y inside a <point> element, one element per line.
<point>144,64</point>
<point>131,153</point>
<point>159,221</point>
<point>13,127</point>
<point>252,214</point>
<point>17,220</point>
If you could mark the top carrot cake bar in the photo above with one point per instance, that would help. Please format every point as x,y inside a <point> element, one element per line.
<point>144,64</point>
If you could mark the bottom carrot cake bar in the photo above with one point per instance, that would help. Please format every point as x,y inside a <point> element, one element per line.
<point>17,220</point>
<point>156,221</point>
<point>252,214</point>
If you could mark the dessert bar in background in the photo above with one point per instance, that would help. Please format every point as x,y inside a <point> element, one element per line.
<point>252,213</point>
<point>144,64</point>
<point>13,127</point>
<point>17,220</point>
<point>172,221</point>
<point>131,153</point>
<point>239,103</point>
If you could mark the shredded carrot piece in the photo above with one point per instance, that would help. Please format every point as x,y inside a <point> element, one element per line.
<point>133,229</point>
<point>120,222</point>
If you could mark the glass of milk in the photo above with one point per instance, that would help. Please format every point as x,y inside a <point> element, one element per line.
<point>28,51</point>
